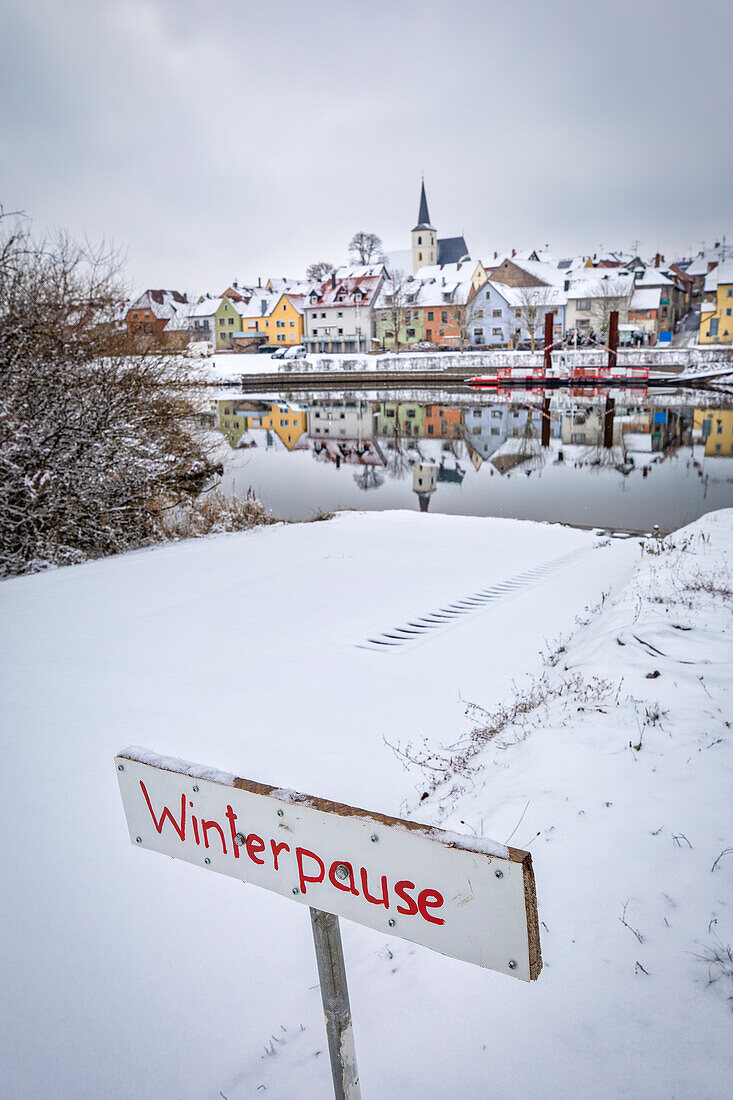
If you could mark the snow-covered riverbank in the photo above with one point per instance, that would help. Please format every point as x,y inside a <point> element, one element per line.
<point>128,974</point>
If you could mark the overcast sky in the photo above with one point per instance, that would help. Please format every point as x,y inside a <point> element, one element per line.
<point>214,141</point>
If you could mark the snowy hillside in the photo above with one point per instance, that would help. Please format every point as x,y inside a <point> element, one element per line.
<point>597,681</point>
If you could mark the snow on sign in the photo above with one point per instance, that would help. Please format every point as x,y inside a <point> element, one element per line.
<point>466,897</point>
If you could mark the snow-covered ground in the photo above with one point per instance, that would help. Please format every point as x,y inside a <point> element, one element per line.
<point>127,974</point>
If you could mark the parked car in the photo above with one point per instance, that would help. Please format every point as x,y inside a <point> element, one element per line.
<point>199,349</point>
<point>295,352</point>
<point>280,353</point>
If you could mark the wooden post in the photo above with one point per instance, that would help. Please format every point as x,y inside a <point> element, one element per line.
<point>608,421</point>
<point>613,339</point>
<point>546,420</point>
<point>335,997</point>
<point>549,319</point>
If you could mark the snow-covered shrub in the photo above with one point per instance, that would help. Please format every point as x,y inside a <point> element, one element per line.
<point>213,513</point>
<point>96,437</point>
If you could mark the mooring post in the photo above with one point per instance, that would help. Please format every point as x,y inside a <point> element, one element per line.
<point>613,340</point>
<point>335,997</point>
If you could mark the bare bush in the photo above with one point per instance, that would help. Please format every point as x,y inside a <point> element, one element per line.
<point>508,724</point>
<point>213,513</point>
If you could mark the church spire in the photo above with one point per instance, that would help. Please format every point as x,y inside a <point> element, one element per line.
<point>423,218</point>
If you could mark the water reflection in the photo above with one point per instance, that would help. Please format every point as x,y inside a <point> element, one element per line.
<point>624,461</point>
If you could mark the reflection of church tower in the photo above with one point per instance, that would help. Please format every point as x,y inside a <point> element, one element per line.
<point>424,480</point>
<point>424,239</point>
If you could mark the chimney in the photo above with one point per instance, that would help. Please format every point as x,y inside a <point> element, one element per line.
<point>496,255</point>
<point>514,252</point>
<point>657,258</point>
<point>259,280</point>
<point>235,284</point>
<point>566,285</point>
<point>333,280</point>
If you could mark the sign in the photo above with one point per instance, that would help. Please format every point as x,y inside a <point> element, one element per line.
<point>466,897</point>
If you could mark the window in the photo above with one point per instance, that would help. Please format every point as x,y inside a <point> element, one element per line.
<point>729,292</point>
<point>444,316</point>
<point>281,324</point>
<point>496,332</point>
<point>431,429</point>
<point>430,315</point>
<point>495,414</point>
<point>284,307</point>
<point>518,312</point>
<point>582,303</point>
<point>495,312</point>
<point>341,332</point>
<point>428,334</point>
<point>221,321</point>
<point>496,431</point>
<point>713,327</point>
<point>478,334</point>
<point>323,315</point>
<point>419,240</point>
<point>340,313</point>
<point>292,324</point>
<point>231,320</point>
<point>729,312</point>
<point>477,431</point>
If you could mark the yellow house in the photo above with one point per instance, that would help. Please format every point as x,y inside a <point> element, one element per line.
<point>278,316</point>
<point>716,317</point>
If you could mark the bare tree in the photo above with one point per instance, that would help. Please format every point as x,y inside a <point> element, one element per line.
<point>366,248</point>
<point>396,298</point>
<point>534,303</point>
<point>610,295</point>
<point>96,443</point>
<point>318,271</point>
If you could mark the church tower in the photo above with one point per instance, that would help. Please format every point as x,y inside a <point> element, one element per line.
<point>424,237</point>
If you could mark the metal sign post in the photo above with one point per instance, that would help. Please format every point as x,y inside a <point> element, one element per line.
<point>467,897</point>
<point>335,997</point>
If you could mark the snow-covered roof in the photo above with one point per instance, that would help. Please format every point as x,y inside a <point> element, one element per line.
<point>646,298</point>
<point>353,289</point>
<point>518,296</point>
<point>428,292</point>
<point>162,303</point>
<point>653,276</point>
<point>721,275</point>
<point>456,272</point>
<point>616,284</point>
<point>546,273</point>
<point>206,308</point>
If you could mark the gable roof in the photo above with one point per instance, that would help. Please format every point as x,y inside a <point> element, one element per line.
<point>451,250</point>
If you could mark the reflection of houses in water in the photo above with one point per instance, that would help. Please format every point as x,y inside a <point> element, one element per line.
<point>240,417</point>
<point>441,422</point>
<point>352,452</point>
<point>353,419</point>
<point>410,419</point>
<point>399,418</point>
<point>714,427</point>
<point>487,427</point>
<point>585,426</point>
<point>424,481</point>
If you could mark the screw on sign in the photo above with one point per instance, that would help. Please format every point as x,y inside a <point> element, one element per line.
<point>467,897</point>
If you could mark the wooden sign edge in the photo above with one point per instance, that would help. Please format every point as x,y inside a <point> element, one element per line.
<point>325,805</point>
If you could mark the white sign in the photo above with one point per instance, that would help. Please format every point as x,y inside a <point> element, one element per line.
<point>466,897</point>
